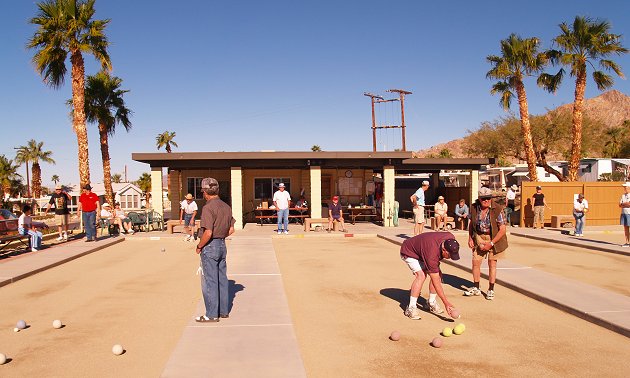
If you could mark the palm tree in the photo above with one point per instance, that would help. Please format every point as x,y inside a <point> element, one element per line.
<point>144,182</point>
<point>33,152</point>
<point>166,140</point>
<point>8,174</point>
<point>55,179</point>
<point>117,178</point>
<point>519,59</point>
<point>67,27</point>
<point>445,153</point>
<point>104,104</point>
<point>585,43</point>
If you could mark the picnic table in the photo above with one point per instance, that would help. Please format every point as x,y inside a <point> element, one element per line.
<point>296,213</point>
<point>367,212</point>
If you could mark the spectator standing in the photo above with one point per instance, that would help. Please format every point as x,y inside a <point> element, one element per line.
<point>510,198</point>
<point>417,200</point>
<point>217,224</point>
<point>26,227</point>
<point>487,239</point>
<point>281,200</point>
<point>89,206</point>
<point>423,254</point>
<point>441,212</point>
<point>60,199</point>
<point>539,202</point>
<point>624,204</point>
<point>188,213</point>
<point>462,213</point>
<point>580,208</point>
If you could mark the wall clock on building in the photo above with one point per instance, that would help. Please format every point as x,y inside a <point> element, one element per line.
<point>348,173</point>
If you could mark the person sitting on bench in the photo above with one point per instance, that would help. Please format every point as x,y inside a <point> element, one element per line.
<point>27,228</point>
<point>335,214</point>
<point>441,208</point>
<point>462,213</point>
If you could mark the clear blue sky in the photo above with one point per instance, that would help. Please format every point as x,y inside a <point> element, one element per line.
<point>284,75</point>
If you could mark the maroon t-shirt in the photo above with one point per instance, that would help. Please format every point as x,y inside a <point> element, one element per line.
<point>427,248</point>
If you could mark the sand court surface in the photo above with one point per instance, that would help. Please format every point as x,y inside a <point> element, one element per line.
<point>131,294</point>
<point>347,295</point>
<point>602,269</point>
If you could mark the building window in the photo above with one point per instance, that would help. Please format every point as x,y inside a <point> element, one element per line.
<point>194,187</point>
<point>265,187</point>
<point>587,169</point>
<point>130,201</point>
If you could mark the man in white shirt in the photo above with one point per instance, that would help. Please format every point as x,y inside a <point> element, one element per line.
<point>187,213</point>
<point>441,210</point>
<point>510,197</point>
<point>580,208</point>
<point>27,228</point>
<point>281,200</point>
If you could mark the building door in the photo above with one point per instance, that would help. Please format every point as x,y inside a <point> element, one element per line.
<point>327,188</point>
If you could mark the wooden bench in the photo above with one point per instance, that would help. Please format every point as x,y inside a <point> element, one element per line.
<point>309,221</point>
<point>557,221</point>
<point>449,223</point>
<point>301,217</point>
<point>171,224</point>
<point>9,233</point>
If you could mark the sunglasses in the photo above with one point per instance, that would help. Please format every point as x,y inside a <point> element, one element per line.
<point>485,199</point>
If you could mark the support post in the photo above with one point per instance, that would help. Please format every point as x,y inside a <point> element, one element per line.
<point>474,185</point>
<point>236,179</point>
<point>157,197</point>
<point>389,187</point>
<point>316,192</point>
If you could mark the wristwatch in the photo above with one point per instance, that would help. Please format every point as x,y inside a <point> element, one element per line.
<point>491,243</point>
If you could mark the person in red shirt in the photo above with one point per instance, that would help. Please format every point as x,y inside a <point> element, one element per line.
<point>422,254</point>
<point>89,206</point>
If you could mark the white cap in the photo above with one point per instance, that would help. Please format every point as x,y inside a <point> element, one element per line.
<point>425,182</point>
<point>626,184</point>
<point>105,204</point>
<point>281,185</point>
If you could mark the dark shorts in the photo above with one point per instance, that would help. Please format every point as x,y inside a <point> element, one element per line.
<point>188,220</point>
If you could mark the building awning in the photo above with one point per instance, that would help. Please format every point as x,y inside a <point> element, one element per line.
<point>622,161</point>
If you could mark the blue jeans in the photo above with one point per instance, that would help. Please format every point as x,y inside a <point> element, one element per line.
<point>283,218</point>
<point>214,282</point>
<point>580,219</point>
<point>36,237</point>
<point>89,223</point>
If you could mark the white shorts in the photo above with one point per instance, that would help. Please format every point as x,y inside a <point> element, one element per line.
<point>418,214</point>
<point>414,264</point>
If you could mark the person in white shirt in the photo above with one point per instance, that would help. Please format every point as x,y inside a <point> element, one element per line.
<point>120,214</point>
<point>107,215</point>
<point>441,209</point>
<point>624,204</point>
<point>580,208</point>
<point>510,197</point>
<point>26,227</point>
<point>188,213</point>
<point>281,200</point>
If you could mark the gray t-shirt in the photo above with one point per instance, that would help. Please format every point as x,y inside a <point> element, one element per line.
<point>216,216</point>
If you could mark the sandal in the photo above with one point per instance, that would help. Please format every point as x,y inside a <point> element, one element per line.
<point>205,319</point>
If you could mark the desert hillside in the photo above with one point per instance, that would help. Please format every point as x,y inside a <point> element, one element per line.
<point>611,108</point>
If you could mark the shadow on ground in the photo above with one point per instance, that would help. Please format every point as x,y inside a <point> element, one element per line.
<point>402,295</point>
<point>233,288</point>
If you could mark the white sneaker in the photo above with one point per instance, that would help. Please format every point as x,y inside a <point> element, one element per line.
<point>626,245</point>
<point>490,295</point>
<point>65,237</point>
<point>473,291</point>
<point>34,249</point>
<point>60,238</point>
<point>187,238</point>
<point>435,308</point>
<point>286,232</point>
<point>131,231</point>
<point>279,232</point>
<point>412,313</point>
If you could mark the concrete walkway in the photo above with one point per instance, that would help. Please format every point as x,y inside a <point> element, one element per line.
<point>26,264</point>
<point>258,338</point>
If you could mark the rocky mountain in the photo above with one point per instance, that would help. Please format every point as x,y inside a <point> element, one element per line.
<point>611,108</point>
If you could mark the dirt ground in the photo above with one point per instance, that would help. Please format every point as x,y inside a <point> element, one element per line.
<point>347,295</point>
<point>602,269</point>
<point>130,294</point>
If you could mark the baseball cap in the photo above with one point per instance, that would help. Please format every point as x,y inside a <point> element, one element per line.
<point>87,187</point>
<point>425,182</point>
<point>452,246</point>
<point>538,187</point>
<point>209,182</point>
<point>335,197</point>
<point>281,185</point>
<point>440,197</point>
<point>514,187</point>
<point>58,186</point>
<point>189,196</point>
<point>626,184</point>
<point>580,195</point>
<point>485,192</point>
<point>105,204</point>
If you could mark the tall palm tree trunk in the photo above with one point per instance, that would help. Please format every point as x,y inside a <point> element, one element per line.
<point>78,115</point>
<point>576,144</point>
<point>107,172</point>
<point>37,180</point>
<point>527,131</point>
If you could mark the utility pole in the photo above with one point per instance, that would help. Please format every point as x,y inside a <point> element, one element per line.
<point>375,99</point>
